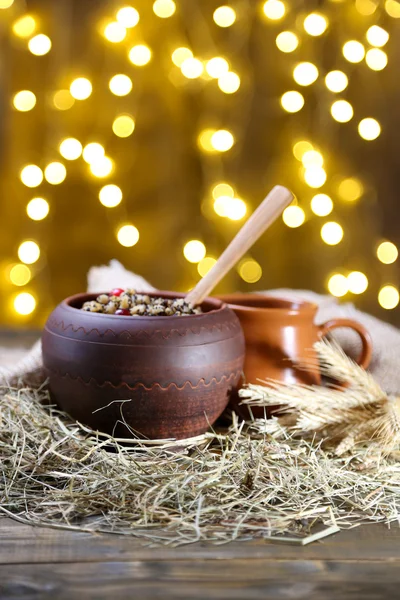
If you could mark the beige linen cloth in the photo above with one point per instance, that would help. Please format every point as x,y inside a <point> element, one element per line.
<point>385,365</point>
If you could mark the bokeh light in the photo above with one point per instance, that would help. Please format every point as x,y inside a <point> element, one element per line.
<point>305,73</point>
<point>388,297</point>
<point>164,8</point>
<point>369,129</point>
<point>204,140</point>
<point>292,101</point>
<point>387,253</point>
<point>80,88</point>
<point>229,82</point>
<point>293,216</point>
<point>24,303</point>
<point>315,24</point>
<point>128,235</point>
<point>139,55</point>
<point>55,173</point>
<point>6,3</point>
<point>217,66</point>
<point>222,140</point>
<point>24,27</point>
<point>312,158</point>
<point>20,275</point>
<point>120,84</point>
<point>321,205</point>
<point>102,167</point>
<point>192,68</point>
<point>336,81</point>
<point>221,205</point>
<point>194,251</point>
<point>365,7</point>
<point>287,41</point>
<point>128,16</point>
<point>63,99</point>
<point>39,44</point>
<point>353,51</point>
<point>181,54</point>
<point>222,189</point>
<point>338,285</point>
<point>342,111</point>
<point>28,252</point>
<point>93,152</point>
<point>123,126</point>
<point>332,233</point>
<point>376,59</point>
<point>235,208</point>
<point>114,32</point>
<point>37,209</point>
<point>300,148</point>
<point>70,148</point>
<point>224,16</point>
<point>274,9</point>
<point>392,8</point>
<point>377,36</point>
<point>249,270</point>
<point>110,195</point>
<point>315,176</point>
<point>357,282</point>
<point>205,265</point>
<point>350,189</point>
<point>31,176</point>
<point>24,100</point>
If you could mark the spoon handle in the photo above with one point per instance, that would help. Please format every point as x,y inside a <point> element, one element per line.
<point>266,213</point>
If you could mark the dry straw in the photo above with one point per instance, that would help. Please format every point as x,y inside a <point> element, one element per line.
<point>255,480</point>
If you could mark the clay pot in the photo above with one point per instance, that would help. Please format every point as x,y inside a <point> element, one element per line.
<point>158,377</point>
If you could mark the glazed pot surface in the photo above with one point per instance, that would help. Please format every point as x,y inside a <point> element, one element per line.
<point>157,377</point>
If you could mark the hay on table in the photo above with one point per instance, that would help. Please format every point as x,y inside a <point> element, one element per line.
<point>243,483</point>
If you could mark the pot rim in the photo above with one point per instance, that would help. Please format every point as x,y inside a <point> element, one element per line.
<point>283,305</point>
<point>84,296</point>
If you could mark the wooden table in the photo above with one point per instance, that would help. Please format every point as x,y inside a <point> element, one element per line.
<point>36,563</point>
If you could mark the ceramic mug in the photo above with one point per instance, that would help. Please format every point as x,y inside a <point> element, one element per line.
<point>280,334</point>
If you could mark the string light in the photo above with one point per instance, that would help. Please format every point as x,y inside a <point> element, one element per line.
<point>393,8</point>
<point>350,189</point>
<point>31,176</point>
<point>24,303</point>
<point>93,152</point>
<point>224,16</point>
<point>235,208</point>
<point>217,66</point>
<point>164,8</point>
<point>315,24</point>
<point>63,99</point>
<point>388,297</point>
<point>222,189</point>
<point>194,251</point>
<point>222,140</point>
<point>29,252</point>
<point>293,216</point>
<point>377,36</point>
<point>70,148</point>
<point>321,205</point>
<point>120,85</point>
<point>110,195</point>
<point>338,285</point>
<point>300,148</point>
<point>365,7</point>
<point>128,16</point>
<point>20,275</point>
<point>336,81</point>
<point>357,282</point>
<point>205,265</point>
<point>55,173</point>
<point>229,83</point>
<point>305,73</point>
<point>369,129</point>
<point>376,59</point>
<point>342,111</point>
<point>123,126</point>
<point>250,271</point>
<point>24,27</point>
<point>387,253</point>
<point>37,209</point>
<point>102,167</point>
<point>315,176</point>
<point>292,101</point>
<point>128,235</point>
<point>353,51</point>
<point>274,9</point>
<point>140,55</point>
<point>181,54</point>
<point>40,44</point>
<point>24,100</point>
<point>287,41</point>
<point>331,233</point>
<point>80,88</point>
<point>312,158</point>
<point>192,68</point>
<point>115,32</point>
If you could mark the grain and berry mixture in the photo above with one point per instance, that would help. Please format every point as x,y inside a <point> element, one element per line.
<point>129,303</point>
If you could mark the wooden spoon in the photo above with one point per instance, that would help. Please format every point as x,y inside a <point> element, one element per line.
<point>269,210</point>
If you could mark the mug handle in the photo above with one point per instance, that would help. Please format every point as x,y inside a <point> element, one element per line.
<point>366,353</point>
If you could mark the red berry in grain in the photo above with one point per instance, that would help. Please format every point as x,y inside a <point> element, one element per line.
<point>122,311</point>
<point>116,291</point>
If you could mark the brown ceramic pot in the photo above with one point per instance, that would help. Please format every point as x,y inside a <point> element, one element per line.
<point>280,334</point>
<point>158,377</point>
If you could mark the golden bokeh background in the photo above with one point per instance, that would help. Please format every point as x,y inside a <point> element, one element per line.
<point>148,131</point>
